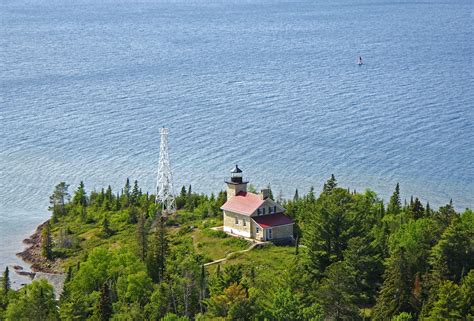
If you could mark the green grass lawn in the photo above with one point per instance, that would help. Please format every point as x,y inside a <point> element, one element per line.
<point>216,245</point>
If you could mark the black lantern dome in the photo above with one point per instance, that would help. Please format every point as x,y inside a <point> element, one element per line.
<point>236,175</point>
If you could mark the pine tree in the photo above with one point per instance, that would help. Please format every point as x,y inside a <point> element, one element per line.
<point>297,196</point>
<point>330,185</point>
<point>395,205</point>
<point>117,202</point>
<point>135,196</point>
<point>132,215</point>
<point>189,200</point>
<point>467,288</point>
<point>449,304</point>
<point>417,209</point>
<point>157,253</point>
<point>80,196</point>
<point>126,194</point>
<point>428,210</point>
<point>106,230</point>
<point>183,192</point>
<point>396,293</point>
<point>142,238</point>
<point>453,256</point>
<point>337,292</point>
<point>46,242</point>
<point>381,211</point>
<point>104,306</point>
<point>446,214</point>
<point>311,197</point>
<point>328,229</point>
<point>6,281</point>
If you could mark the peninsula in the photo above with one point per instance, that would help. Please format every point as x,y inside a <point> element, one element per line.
<point>349,255</point>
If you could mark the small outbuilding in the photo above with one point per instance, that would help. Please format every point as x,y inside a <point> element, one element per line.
<point>254,216</point>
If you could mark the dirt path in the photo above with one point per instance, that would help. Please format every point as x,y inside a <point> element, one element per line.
<point>251,247</point>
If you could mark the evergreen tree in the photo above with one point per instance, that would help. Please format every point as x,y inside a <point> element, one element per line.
<point>104,306</point>
<point>364,259</point>
<point>126,194</point>
<point>190,200</point>
<point>445,214</point>
<point>106,230</point>
<point>453,256</point>
<point>157,253</point>
<point>46,242</point>
<point>417,209</point>
<point>311,198</point>
<point>395,205</point>
<point>132,215</point>
<point>296,197</point>
<point>329,227</point>
<point>467,289</point>
<point>117,202</point>
<point>181,199</point>
<point>330,184</point>
<point>6,281</point>
<point>142,238</point>
<point>428,210</point>
<point>337,292</point>
<point>183,192</point>
<point>396,293</point>
<point>449,305</point>
<point>80,196</point>
<point>135,196</point>
<point>108,202</point>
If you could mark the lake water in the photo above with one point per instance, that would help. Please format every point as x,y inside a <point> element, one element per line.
<point>273,86</point>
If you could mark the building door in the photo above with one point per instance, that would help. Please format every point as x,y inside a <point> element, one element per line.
<point>268,235</point>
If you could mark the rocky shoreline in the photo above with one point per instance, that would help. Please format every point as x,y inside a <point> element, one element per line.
<point>32,255</point>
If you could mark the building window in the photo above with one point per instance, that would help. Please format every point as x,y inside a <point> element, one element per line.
<point>257,230</point>
<point>244,222</point>
<point>274,209</point>
<point>270,210</point>
<point>259,211</point>
<point>236,221</point>
<point>263,211</point>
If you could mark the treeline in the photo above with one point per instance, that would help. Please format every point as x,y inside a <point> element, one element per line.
<point>355,258</point>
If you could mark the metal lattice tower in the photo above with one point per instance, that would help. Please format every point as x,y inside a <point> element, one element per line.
<point>164,185</point>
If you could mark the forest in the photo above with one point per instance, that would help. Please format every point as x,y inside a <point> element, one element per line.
<point>355,257</point>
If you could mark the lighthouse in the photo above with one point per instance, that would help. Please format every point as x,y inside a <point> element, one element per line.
<point>255,216</point>
<point>236,184</point>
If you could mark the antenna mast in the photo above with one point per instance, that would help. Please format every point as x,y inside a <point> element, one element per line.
<point>164,185</point>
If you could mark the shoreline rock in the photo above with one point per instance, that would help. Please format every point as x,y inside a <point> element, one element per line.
<point>32,255</point>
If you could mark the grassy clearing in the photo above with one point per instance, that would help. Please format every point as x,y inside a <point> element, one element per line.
<point>213,245</point>
<point>271,263</point>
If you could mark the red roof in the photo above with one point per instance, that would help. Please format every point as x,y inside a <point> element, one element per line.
<point>271,220</point>
<point>243,203</point>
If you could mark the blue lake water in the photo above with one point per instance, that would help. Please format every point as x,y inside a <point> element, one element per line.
<point>273,86</point>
